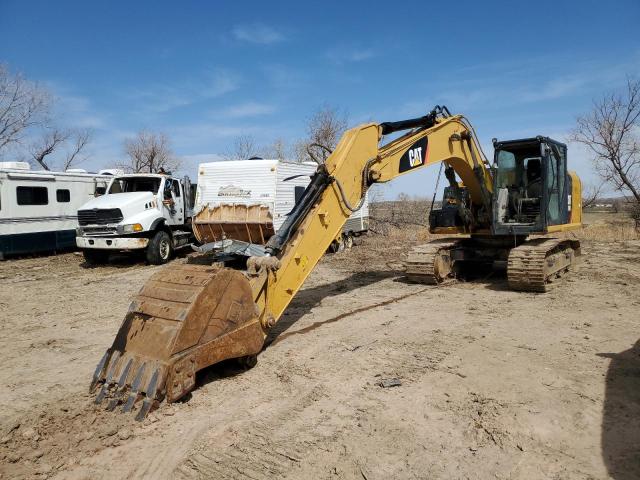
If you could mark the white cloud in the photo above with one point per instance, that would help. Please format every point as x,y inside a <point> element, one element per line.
<point>283,77</point>
<point>257,33</point>
<point>248,109</point>
<point>523,84</point>
<point>164,98</point>
<point>73,110</point>
<point>340,56</point>
<point>220,82</point>
<point>77,112</point>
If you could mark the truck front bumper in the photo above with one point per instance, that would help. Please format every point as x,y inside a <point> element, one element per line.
<point>115,243</point>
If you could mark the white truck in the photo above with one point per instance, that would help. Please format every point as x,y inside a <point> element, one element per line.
<point>150,212</point>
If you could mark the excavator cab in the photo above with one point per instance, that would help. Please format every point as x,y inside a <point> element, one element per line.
<point>531,186</point>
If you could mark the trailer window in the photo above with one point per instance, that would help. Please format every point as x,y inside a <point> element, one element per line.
<point>32,195</point>
<point>63,196</point>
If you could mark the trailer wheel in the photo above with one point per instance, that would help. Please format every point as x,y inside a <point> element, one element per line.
<point>160,248</point>
<point>336,246</point>
<point>348,240</point>
<point>95,257</point>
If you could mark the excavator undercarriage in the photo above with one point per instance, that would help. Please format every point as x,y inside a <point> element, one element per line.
<point>532,266</point>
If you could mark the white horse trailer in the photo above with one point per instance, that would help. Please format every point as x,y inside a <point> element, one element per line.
<point>38,209</point>
<point>249,200</point>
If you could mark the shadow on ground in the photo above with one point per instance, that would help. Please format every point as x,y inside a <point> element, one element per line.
<point>130,259</point>
<point>309,298</point>
<point>621,414</point>
<point>302,304</point>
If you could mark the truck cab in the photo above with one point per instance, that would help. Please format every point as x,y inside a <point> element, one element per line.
<point>150,212</point>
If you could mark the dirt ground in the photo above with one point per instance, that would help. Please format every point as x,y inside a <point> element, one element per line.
<point>494,383</point>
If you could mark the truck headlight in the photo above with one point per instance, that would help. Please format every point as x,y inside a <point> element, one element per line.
<point>135,227</point>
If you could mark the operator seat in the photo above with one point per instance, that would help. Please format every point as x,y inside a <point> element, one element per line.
<point>534,178</point>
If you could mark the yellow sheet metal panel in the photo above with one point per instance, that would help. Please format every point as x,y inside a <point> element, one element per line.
<point>576,199</point>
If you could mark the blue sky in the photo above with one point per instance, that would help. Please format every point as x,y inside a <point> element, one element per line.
<point>207,72</point>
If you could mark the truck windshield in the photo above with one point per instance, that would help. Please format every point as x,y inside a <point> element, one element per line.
<point>135,184</point>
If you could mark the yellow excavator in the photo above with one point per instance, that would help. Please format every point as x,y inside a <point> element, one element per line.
<point>191,316</point>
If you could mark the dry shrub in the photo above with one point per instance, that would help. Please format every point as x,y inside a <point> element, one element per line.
<point>399,214</point>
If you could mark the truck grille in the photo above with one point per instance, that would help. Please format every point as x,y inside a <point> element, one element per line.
<point>99,216</point>
<point>99,231</point>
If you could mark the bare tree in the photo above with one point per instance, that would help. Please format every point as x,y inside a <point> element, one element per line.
<point>149,152</point>
<point>23,105</point>
<point>590,194</point>
<point>616,206</point>
<point>76,154</point>
<point>278,149</point>
<point>324,129</point>
<point>611,131</point>
<point>244,147</point>
<point>46,145</point>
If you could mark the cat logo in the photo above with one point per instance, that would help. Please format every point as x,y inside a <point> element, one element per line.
<point>415,157</point>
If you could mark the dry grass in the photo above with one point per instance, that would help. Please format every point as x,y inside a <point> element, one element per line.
<point>607,227</point>
<point>401,225</point>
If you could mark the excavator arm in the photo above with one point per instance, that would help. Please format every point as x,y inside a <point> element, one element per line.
<point>191,316</point>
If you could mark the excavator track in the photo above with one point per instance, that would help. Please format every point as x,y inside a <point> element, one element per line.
<point>534,265</point>
<point>431,263</point>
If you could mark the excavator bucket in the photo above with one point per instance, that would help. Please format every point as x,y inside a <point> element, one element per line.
<point>183,320</point>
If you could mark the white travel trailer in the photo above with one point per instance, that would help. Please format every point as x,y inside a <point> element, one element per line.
<point>249,200</point>
<point>38,208</point>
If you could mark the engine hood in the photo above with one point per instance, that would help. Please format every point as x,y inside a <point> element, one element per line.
<point>119,200</point>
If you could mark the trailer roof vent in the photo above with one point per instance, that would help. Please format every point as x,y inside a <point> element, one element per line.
<point>15,165</point>
<point>111,171</point>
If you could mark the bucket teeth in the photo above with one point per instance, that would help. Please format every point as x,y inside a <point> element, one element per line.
<point>121,386</point>
<point>150,396</point>
<point>135,386</point>
<point>109,378</point>
<point>98,372</point>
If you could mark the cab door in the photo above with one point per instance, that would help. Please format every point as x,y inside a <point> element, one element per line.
<point>172,202</point>
<point>555,183</point>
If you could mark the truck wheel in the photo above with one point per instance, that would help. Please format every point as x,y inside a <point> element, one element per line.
<point>159,249</point>
<point>95,257</point>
